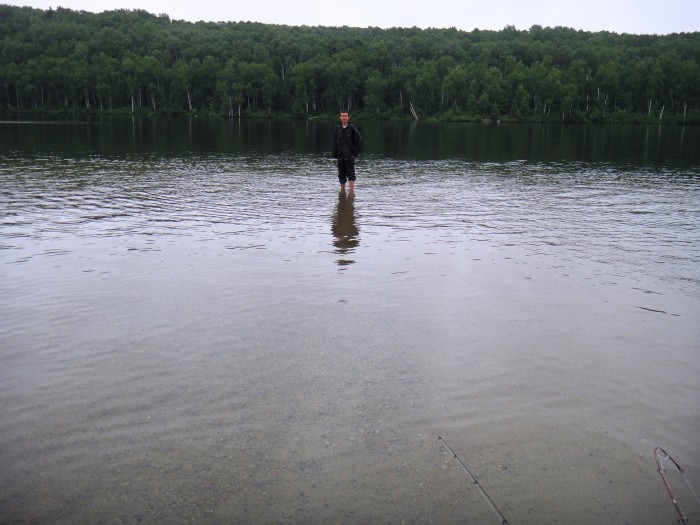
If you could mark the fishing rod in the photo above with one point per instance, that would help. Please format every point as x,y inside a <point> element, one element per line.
<point>504,521</point>
<point>661,455</point>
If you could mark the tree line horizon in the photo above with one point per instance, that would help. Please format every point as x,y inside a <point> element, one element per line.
<point>133,62</point>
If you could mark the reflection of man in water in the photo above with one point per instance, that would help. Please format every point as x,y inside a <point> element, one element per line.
<point>345,231</point>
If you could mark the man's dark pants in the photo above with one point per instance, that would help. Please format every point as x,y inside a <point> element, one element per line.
<point>346,170</point>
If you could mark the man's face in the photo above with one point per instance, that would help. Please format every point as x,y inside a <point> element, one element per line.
<point>344,117</point>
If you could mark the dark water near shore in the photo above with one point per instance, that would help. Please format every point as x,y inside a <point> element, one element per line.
<point>196,326</point>
<point>670,147</point>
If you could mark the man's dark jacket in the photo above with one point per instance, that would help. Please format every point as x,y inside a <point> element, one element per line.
<point>346,142</point>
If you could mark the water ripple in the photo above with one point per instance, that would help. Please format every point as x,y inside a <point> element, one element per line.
<point>641,220</point>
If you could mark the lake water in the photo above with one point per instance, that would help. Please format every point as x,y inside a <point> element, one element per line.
<point>196,326</point>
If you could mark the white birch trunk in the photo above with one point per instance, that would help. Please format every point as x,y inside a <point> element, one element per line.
<point>413,111</point>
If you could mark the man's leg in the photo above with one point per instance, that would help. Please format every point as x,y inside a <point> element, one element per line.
<point>342,173</point>
<point>351,173</point>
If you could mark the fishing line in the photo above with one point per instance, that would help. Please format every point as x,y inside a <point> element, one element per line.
<point>504,521</point>
<point>660,455</point>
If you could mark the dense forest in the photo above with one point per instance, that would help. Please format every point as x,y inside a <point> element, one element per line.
<point>134,62</point>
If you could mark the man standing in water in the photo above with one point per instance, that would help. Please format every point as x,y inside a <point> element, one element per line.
<point>346,146</point>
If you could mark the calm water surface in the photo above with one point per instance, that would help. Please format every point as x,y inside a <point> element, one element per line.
<point>195,326</point>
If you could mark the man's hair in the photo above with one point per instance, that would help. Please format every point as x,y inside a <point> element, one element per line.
<point>344,111</point>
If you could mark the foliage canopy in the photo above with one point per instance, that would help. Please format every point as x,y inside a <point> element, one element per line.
<point>135,62</point>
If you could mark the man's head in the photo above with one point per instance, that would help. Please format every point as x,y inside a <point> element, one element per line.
<point>344,117</point>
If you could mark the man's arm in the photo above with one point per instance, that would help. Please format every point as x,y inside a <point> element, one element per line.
<point>357,142</point>
<point>335,142</point>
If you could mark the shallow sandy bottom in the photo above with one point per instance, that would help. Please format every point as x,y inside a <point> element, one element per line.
<point>320,399</point>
